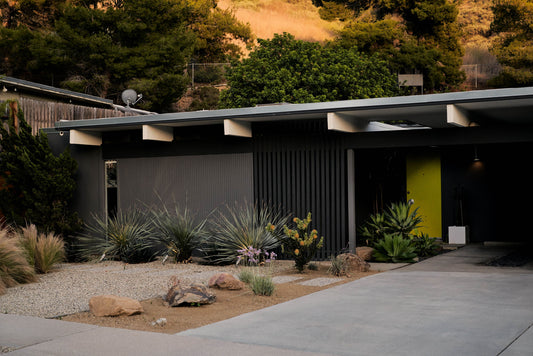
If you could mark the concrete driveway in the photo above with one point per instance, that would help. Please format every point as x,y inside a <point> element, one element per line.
<point>447,305</point>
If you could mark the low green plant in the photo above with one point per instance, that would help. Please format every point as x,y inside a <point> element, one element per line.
<point>42,251</point>
<point>301,242</point>
<point>177,231</point>
<point>338,266</point>
<point>262,285</point>
<point>14,268</point>
<point>127,236</point>
<point>394,248</point>
<point>312,267</point>
<point>246,275</point>
<point>239,228</point>
<point>426,246</point>
<point>373,229</point>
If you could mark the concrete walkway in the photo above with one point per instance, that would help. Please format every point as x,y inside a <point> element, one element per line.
<point>447,305</point>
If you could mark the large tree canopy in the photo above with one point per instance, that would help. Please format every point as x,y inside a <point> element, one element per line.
<point>139,44</point>
<point>513,22</point>
<point>287,70</point>
<point>415,36</point>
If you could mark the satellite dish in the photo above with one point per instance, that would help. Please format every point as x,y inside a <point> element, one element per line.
<point>130,97</point>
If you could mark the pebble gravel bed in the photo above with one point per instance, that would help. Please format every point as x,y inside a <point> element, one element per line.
<point>67,289</point>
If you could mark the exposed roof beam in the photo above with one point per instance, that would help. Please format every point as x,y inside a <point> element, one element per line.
<point>237,128</point>
<point>158,133</point>
<point>347,123</point>
<point>456,116</point>
<point>85,138</point>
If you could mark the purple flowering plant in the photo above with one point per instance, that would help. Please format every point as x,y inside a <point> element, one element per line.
<point>252,256</point>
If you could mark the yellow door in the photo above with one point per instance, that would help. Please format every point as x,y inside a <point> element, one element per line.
<point>424,187</point>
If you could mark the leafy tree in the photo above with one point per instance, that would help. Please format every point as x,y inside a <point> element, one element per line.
<point>287,70</point>
<point>414,36</point>
<point>139,44</point>
<point>35,185</point>
<point>513,22</point>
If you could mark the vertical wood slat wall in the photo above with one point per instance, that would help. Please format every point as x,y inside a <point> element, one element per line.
<point>302,174</point>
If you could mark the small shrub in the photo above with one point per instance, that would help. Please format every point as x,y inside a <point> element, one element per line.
<point>251,256</point>
<point>338,266</point>
<point>312,267</point>
<point>239,228</point>
<point>426,246</point>
<point>246,276</point>
<point>128,236</point>
<point>42,251</point>
<point>301,242</point>
<point>394,248</point>
<point>177,231</point>
<point>14,268</point>
<point>262,285</point>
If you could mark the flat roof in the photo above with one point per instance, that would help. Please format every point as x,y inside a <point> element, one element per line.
<point>53,91</point>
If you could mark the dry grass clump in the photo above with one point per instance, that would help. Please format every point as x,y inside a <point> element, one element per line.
<point>42,251</point>
<point>268,17</point>
<point>14,268</point>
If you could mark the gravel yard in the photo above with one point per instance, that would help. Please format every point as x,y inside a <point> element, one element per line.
<point>67,289</point>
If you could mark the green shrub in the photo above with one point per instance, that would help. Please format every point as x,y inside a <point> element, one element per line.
<point>246,275</point>
<point>42,251</point>
<point>338,266</point>
<point>177,231</point>
<point>397,219</point>
<point>14,268</point>
<point>394,248</point>
<point>238,228</point>
<point>426,246</point>
<point>128,236</point>
<point>262,285</point>
<point>301,242</point>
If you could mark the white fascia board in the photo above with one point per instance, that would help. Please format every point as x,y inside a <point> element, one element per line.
<point>237,128</point>
<point>158,133</point>
<point>456,117</point>
<point>78,137</point>
<point>347,123</point>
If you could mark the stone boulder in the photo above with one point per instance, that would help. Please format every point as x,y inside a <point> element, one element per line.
<point>111,305</point>
<point>225,281</point>
<point>354,263</point>
<point>365,252</point>
<point>193,294</point>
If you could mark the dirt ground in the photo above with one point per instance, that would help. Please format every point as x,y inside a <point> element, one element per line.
<point>228,304</point>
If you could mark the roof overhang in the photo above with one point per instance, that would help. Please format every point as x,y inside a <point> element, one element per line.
<point>435,111</point>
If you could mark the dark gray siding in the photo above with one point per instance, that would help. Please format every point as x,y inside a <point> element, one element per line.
<point>202,182</point>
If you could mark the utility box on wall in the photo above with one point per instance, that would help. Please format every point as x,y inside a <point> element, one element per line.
<point>457,235</point>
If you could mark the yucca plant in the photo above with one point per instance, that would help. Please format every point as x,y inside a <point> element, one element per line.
<point>42,251</point>
<point>240,227</point>
<point>128,236</point>
<point>14,268</point>
<point>399,219</point>
<point>338,266</point>
<point>177,231</point>
<point>394,248</point>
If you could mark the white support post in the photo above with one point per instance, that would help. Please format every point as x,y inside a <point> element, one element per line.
<point>85,138</point>
<point>237,128</point>
<point>456,117</point>
<point>158,133</point>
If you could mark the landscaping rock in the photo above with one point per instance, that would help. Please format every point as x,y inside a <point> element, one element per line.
<point>194,294</point>
<point>354,263</point>
<point>365,252</point>
<point>226,281</point>
<point>111,305</point>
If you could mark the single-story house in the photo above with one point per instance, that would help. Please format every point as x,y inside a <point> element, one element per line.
<point>461,156</point>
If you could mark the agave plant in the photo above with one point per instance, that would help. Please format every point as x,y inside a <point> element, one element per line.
<point>177,231</point>
<point>373,229</point>
<point>401,220</point>
<point>128,236</point>
<point>426,246</point>
<point>394,248</point>
<point>240,227</point>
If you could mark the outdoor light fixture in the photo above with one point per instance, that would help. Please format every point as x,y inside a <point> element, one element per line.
<point>476,158</point>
